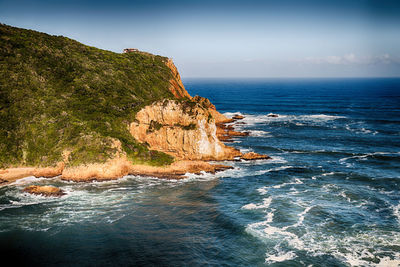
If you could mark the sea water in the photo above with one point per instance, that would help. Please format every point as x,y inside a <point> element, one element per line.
<point>330,195</point>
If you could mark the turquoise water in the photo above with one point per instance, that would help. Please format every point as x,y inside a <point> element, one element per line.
<point>329,196</point>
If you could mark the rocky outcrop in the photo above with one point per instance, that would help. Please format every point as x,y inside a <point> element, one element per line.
<point>12,174</point>
<point>254,156</point>
<point>176,86</point>
<point>271,115</point>
<point>205,102</point>
<point>237,117</point>
<point>120,167</point>
<point>112,169</point>
<point>185,130</point>
<point>48,191</point>
<point>226,132</point>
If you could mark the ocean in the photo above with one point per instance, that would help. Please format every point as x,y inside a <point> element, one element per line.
<point>330,195</point>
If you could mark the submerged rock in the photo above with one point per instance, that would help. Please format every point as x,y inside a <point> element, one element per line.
<point>48,191</point>
<point>271,115</point>
<point>237,117</point>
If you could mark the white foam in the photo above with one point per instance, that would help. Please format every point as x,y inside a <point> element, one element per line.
<point>361,130</point>
<point>296,181</point>
<point>261,172</point>
<point>259,133</point>
<point>365,156</point>
<point>263,190</point>
<point>264,205</point>
<point>28,180</point>
<point>279,257</point>
<point>343,194</point>
<point>252,119</point>
<point>328,173</point>
<point>388,262</point>
<point>396,211</point>
<point>302,216</point>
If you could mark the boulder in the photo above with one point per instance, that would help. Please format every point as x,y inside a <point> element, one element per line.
<point>48,191</point>
<point>271,115</point>
<point>238,117</point>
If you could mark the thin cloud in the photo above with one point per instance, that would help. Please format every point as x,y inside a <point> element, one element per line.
<point>352,59</point>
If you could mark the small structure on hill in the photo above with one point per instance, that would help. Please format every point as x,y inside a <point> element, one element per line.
<point>130,50</point>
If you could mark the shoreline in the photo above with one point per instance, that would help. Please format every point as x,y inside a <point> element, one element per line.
<point>119,167</point>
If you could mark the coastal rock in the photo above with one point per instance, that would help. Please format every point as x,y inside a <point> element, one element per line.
<point>236,133</point>
<point>176,86</point>
<point>205,102</point>
<point>117,168</point>
<point>254,156</point>
<point>271,115</point>
<point>185,130</point>
<point>12,174</point>
<point>237,117</point>
<point>177,170</point>
<point>112,169</point>
<point>48,191</point>
<point>226,132</point>
<point>49,171</point>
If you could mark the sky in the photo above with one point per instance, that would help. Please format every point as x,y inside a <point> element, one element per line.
<point>252,38</point>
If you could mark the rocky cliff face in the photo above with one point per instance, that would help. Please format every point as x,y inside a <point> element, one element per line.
<point>176,86</point>
<point>183,129</point>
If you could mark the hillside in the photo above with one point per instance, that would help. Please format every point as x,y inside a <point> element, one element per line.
<point>60,97</point>
<point>85,113</point>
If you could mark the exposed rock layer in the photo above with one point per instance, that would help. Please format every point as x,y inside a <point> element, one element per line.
<point>186,130</point>
<point>176,85</point>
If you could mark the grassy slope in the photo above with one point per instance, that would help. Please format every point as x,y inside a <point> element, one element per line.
<point>57,94</point>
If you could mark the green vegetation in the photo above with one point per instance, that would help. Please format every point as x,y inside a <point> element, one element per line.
<point>154,126</point>
<point>57,94</point>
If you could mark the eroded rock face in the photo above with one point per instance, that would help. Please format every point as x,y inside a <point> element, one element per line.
<point>185,130</point>
<point>48,191</point>
<point>176,85</point>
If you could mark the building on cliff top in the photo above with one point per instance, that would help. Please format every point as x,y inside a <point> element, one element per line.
<point>130,50</point>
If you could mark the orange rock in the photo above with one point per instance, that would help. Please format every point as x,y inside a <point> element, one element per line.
<point>121,167</point>
<point>238,117</point>
<point>181,129</point>
<point>176,85</point>
<point>49,171</point>
<point>254,156</point>
<point>235,133</point>
<point>48,191</point>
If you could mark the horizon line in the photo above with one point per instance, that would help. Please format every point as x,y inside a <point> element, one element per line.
<point>296,77</point>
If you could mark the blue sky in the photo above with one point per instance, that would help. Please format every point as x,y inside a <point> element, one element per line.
<point>286,38</point>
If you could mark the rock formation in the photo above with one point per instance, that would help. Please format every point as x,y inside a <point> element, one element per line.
<point>176,85</point>
<point>254,156</point>
<point>185,130</point>
<point>48,191</point>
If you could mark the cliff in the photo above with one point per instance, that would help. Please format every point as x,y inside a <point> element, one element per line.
<point>85,113</point>
<point>185,130</point>
<point>176,86</point>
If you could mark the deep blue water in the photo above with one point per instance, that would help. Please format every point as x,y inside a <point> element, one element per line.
<point>329,196</point>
